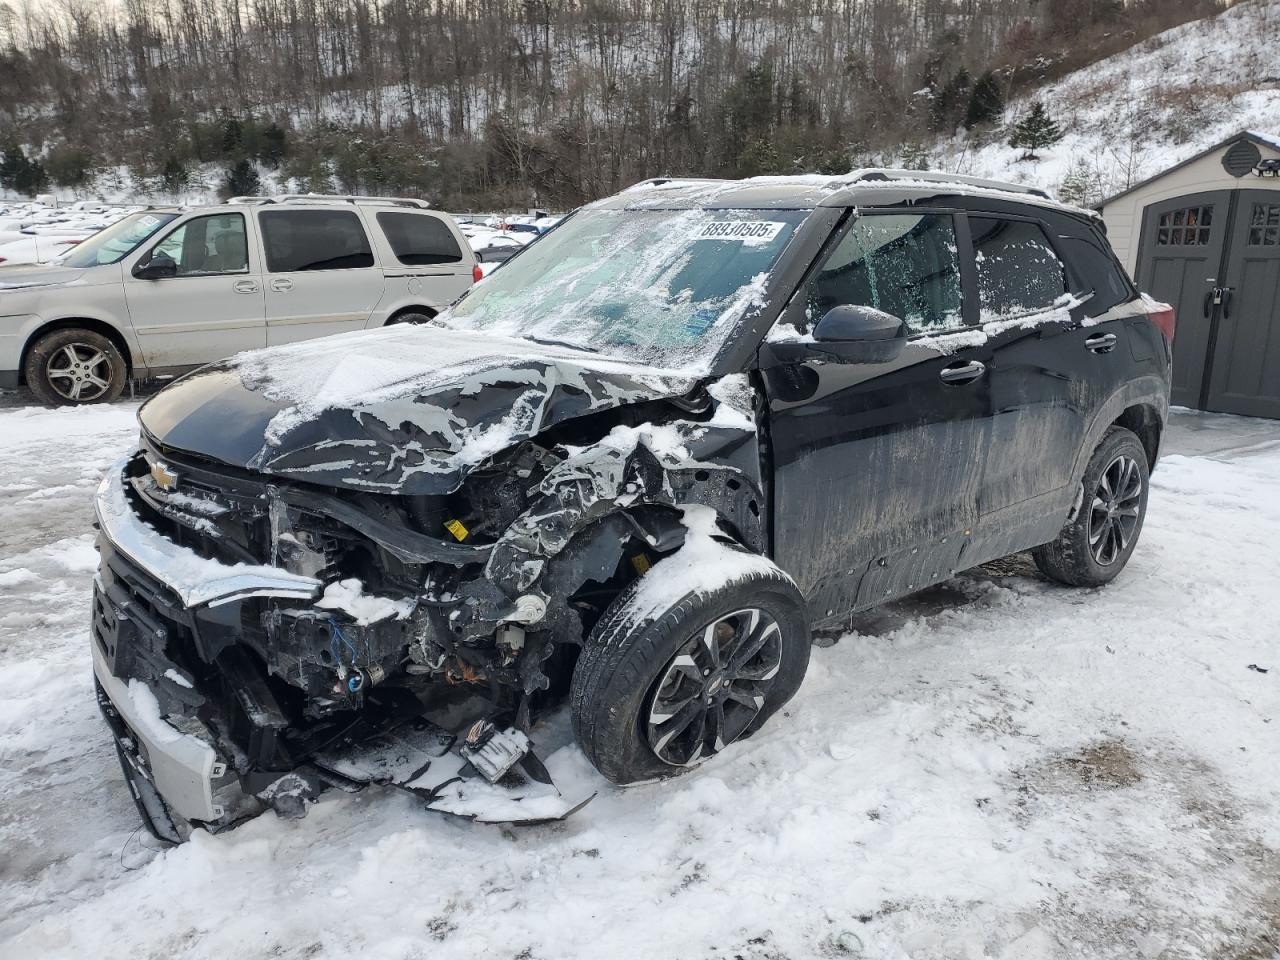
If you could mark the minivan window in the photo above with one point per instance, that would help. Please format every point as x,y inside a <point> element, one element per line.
<point>904,264</point>
<point>297,240</point>
<point>419,239</point>
<point>117,241</point>
<point>208,245</point>
<point>1018,271</point>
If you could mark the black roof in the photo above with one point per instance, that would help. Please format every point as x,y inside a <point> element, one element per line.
<point>864,188</point>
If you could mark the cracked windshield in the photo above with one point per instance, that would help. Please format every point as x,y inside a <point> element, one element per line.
<point>662,287</point>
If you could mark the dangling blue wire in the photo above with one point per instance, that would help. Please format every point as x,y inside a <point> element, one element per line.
<point>336,634</point>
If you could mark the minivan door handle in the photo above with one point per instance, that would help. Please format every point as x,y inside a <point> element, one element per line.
<point>1102,342</point>
<point>282,285</point>
<point>965,372</point>
<point>245,286</point>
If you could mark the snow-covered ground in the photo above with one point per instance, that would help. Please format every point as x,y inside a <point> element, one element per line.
<point>998,767</point>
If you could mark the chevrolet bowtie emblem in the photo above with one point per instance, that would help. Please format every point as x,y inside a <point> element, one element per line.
<point>165,478</point>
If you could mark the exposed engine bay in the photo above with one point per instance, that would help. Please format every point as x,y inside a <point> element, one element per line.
<point>311,636</point>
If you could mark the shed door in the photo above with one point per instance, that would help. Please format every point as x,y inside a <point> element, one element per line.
<point>1246,355</point>
<point>1179,262</point>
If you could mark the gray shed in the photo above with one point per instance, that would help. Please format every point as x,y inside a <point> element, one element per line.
<point>1204,235</point>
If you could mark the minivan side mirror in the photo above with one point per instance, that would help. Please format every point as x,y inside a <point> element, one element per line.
<point>160,266</point>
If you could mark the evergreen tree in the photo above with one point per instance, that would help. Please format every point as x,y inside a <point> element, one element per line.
<point>950,102</point>
<point>174,175</point>
<point>13,166</point>
<point>1082,184</point>
<point>986,103</point>
<point>242,180</point>
<point>32,179</point>
<point>914,156</point>
<point>1035,131</point>
<point>232,136</point>
<point>274,146</point>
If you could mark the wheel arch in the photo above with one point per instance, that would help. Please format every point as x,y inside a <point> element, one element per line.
<point>1143,420</point>
<point>1144,402</point>
<point>411,308</point>
<point>107,330</point>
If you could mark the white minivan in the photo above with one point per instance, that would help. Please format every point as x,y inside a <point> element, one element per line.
<point>165,290</point>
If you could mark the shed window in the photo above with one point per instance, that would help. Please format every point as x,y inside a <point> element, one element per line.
<point>1264,225</point>
<point>1188,227</point>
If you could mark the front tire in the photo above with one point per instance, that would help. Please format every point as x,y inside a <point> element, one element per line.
<point>657,692</point>
<point>1094,547</point>
<point>73,367</point>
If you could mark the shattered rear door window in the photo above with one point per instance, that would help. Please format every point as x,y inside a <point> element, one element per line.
<point>1018,270</point>
<point>661,287</point>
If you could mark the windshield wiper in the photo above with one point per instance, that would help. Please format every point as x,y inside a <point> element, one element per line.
<point>552,342</point>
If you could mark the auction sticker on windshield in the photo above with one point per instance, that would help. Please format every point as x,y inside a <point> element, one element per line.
<point>746,231</point>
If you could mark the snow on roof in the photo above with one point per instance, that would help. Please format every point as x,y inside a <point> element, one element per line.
<point>1270,139</point>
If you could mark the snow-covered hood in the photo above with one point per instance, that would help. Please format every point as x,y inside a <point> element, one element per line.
<point>37,275</point>
<point>409,409</point>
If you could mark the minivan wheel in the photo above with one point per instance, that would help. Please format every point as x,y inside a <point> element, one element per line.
<point>655,693</point>
<point>1094,547</point>
<point>74,366</point>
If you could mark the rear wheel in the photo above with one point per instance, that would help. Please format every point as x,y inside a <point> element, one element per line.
<point>74,366</point>
<point>1096,544</point>
<point>657,692</point>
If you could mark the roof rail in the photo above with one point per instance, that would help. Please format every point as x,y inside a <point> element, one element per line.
<point>663,181</point>
<point>885,173</point>
<point>333,198</point>
<point>350,198</point>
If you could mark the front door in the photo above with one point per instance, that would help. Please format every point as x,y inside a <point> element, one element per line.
<point>1245,374</point>
<point>212,307</point>
<point>321,275</point>
<point>1180,261</point>
<point>877,466</point>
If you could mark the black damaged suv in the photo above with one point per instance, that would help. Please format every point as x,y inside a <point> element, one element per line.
<point>632,470</point>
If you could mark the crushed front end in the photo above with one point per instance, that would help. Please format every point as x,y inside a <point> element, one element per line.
<point>254,644</point>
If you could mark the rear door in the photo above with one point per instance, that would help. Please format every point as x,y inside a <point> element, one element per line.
<point>425,259</point>
<point>321,274</point>
<point>1245,374</point>
<point>1179,263</point>
<point>213,307</point>
<point>877,466</point>
<point>1050,371</point>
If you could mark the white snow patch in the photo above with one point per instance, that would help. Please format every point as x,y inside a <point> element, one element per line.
<point>703,564</point>
<point>365,608</point>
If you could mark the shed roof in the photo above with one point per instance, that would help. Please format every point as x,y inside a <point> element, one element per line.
<point>1253,136</point>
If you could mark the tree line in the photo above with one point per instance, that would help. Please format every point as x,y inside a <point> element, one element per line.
<point>485,103</point>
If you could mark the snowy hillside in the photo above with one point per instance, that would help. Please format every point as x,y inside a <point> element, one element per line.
<point>1143,110</point>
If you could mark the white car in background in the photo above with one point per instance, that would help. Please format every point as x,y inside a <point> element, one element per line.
<point>165,290</point>
<point>22,249</point>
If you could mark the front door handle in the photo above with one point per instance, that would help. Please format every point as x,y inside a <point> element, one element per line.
<point>965,372</point>
<point>282,286</point>
<point>245,286</point>
<point>1102,343</point>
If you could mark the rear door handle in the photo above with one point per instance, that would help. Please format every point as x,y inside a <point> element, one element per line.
<point>282,286</point>
<point>1102,342</point>
<point>245,286</point>
<point>965,372</point>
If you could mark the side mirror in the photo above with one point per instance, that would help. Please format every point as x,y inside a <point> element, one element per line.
<point>853,333</point>
<point>160,266</point>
